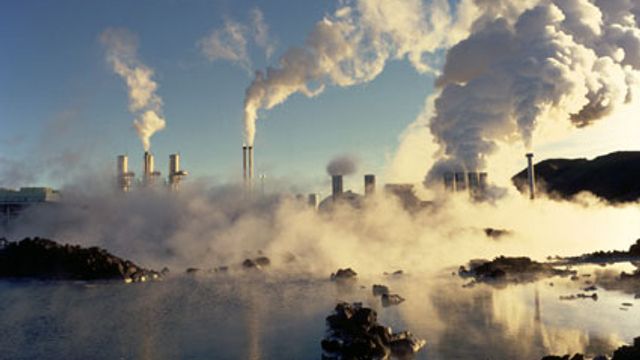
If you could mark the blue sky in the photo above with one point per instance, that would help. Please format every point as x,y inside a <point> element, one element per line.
<point>58,95</point>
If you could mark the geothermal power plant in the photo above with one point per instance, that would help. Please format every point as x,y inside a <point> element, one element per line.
<point>475,183</point>
<point>126,179</point>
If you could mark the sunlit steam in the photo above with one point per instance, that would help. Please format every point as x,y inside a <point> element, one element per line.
<point>122,47</point>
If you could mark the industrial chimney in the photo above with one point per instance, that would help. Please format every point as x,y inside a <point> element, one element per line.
<point>474,182</point>
<point>369,184</point>
<point>250,163</point>
<point>149,175</point>
<point>125,178</point>
<point>244,163</point>
<point>449,182</point>
<point>336,186</point>
<point>531,176</point>
<point>312,201</point>
<point>175,174</point>
<point>460,181</point>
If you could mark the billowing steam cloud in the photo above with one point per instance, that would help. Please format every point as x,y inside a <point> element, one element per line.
<point>230,42</point>
<point>352,47</point>
<point>342,165</point>
<point>574,60</point>
<point>122,48</point>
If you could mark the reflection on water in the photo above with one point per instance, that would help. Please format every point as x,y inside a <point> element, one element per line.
<point>270,318</point>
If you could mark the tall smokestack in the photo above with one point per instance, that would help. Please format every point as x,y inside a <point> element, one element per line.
<point>336,186</point>
<point>531,176</point>
<point>449,181</point>
<point>244,163</point>
<point>149,174</point>
<point>461,181</point>
<point>369,184</point>
<point>250,163</point>
<point>312,200</point>
<point>474,182</point>
<point>175,174</point>
<point>124,176</point>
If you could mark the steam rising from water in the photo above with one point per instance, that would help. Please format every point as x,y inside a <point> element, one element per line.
<point>208,227</point>
<point>122,48</point>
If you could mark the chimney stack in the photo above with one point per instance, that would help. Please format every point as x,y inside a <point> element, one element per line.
<point>244,163</point>
<point>312,200</point>
<point>531,176</point>
<point>149,174</point>
<point>175,174</point>
<point>460,181</point>
<point>336,186</point>
<point>250,163</point>
<point>369,184</point>
<point>124,176</point>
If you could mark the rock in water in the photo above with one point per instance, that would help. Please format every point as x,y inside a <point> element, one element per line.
<point>46,259</point>
<point>344,274</point>
<point>391,299</point>
<point>379,290</point>
<point>354,333</point>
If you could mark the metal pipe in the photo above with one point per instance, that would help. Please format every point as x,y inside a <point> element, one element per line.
<point>336,186</point>
<point>244,163</point>
<point>531,176</point>
<point>369,184</point>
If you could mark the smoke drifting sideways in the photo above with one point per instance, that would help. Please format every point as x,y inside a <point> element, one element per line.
<point>203,226</point>
<point>122,54</point>
<point>342,165</point>
<point>352,46</point>
<point>547,61</point>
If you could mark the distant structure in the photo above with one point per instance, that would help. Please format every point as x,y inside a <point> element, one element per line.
<point>125,177</point>
<point>247,165</point>
<point>336,187</point>
<point>473,182</point>
<point>175,174</point>
<point>312,201</point>
<point>149,175</point>
<point>12,202</point>
<point>531,176</point>
<point>369,184</point>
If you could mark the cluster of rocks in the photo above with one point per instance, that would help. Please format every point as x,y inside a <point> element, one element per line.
<point>496,233</point>
<point>386,298</point>
<point>625,352</point>
<point>46,259</point>
<point>513,269</point>
<point>599,257</point>
<point>344,275</point>
<point>354,333</point>
<point>257,263</point>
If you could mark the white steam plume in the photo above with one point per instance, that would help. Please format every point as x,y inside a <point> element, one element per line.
<point>231,42</point>
<point>122,48</point>
<point>562,60</point>
<point>352,47</point>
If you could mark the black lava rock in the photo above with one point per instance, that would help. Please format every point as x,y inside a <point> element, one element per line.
<point>46,259</point>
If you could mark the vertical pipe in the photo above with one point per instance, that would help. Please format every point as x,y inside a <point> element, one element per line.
<point>250,163</point>
<point>531,176</point>
<point>449,181</point>
<point>461,181</point>
<point>244,163</point>
<point>336,186</point>
<point>369,184</point>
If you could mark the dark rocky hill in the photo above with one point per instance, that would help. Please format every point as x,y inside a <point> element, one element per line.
<point>613,177</point>
<point>46,259</point>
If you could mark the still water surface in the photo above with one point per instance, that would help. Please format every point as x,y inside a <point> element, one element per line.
<point>270,317</point>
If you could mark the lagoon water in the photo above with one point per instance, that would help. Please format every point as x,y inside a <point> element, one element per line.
<point>256,316</point>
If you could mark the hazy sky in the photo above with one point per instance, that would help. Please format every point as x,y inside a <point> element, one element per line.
<point>59,98</point>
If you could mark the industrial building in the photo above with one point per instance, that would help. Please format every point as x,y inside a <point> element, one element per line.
<point>12,202</point>
<point>150,177</point>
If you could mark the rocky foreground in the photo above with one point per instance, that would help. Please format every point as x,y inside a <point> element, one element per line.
<point>46,259</point>
<point>625,352</point>
<point>353,332</point>
<point>511,269</point>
